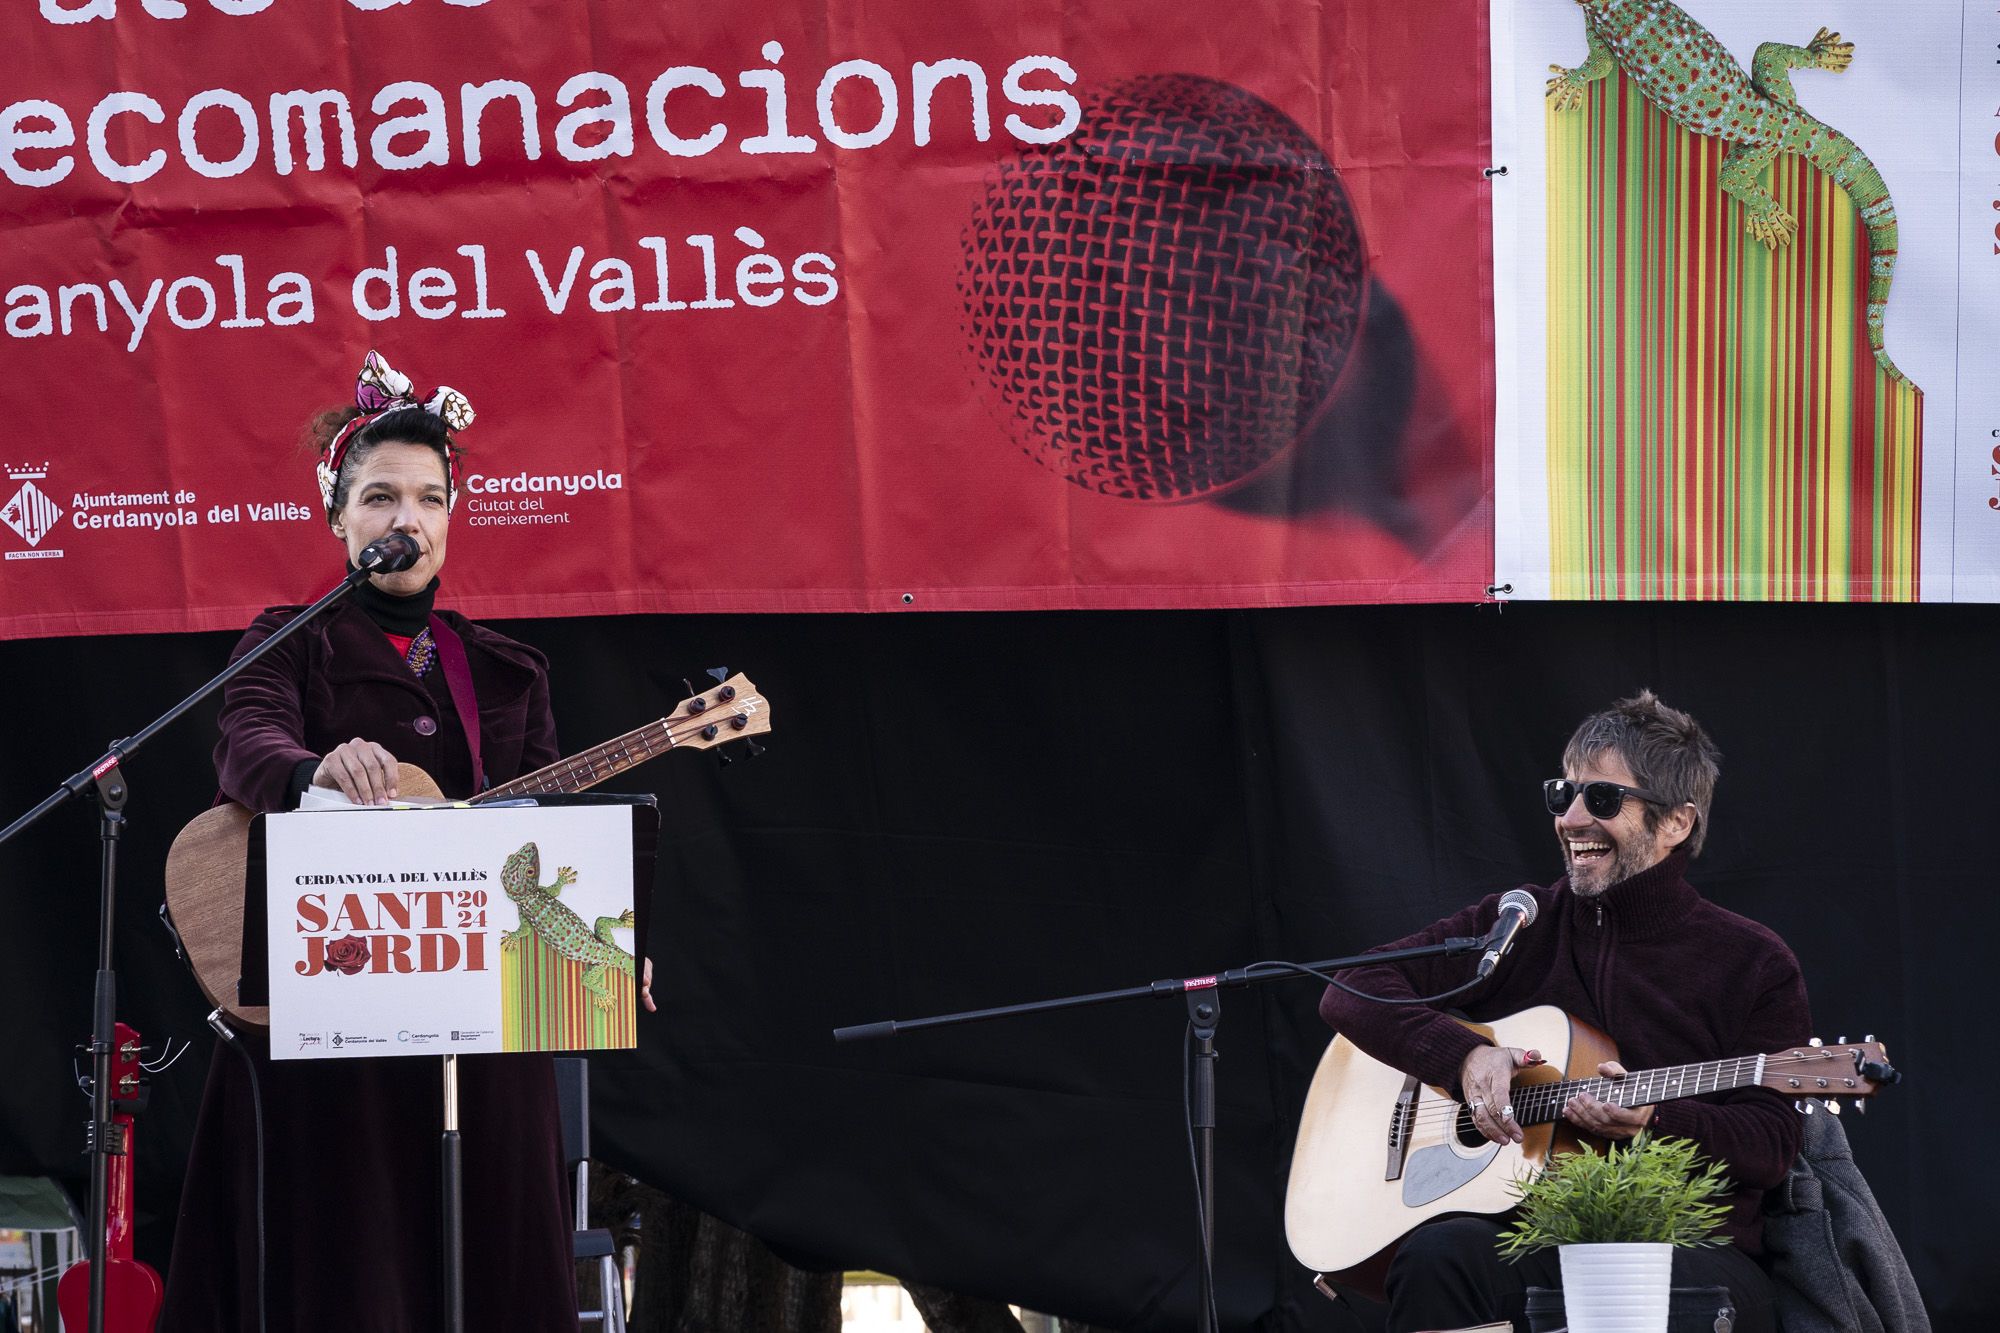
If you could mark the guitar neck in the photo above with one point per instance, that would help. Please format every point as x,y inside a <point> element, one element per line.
<point>599,763</point>
<point>1542,1102</point>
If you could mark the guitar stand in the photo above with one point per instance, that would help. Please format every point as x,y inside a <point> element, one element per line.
<point>1204,1010</point>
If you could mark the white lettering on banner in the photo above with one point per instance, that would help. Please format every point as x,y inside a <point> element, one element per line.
<point>96,133</point>
<point>615,115</point>
<point>478,483</point>
<point>246,119</point>
<point>32,514</point>
<point>924,81</point>
<point>431,289</point>
<point>67,11</point>
<point>17,133</point>
<point>473,100</point>
<point>777,136</point>
<point>885,89</point>
<point>311,109</point>
<point>734,271</point>
<point>1020,95</point>
<point>191,303</point>
<point>758,277</point>
<point>414,128</point>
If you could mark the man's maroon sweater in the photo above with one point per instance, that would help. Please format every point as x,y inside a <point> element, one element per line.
<point>1672,978</point>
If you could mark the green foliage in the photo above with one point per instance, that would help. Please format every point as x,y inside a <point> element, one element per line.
<point>1652,1190</point>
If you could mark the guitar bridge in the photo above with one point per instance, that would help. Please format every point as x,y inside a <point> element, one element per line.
<point>1402,1122</point>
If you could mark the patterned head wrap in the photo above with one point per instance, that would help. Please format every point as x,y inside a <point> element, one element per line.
<point>379,390</point>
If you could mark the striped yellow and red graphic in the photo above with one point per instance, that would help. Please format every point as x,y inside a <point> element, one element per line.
<point>544,1007</point>
<point>1717,425</point>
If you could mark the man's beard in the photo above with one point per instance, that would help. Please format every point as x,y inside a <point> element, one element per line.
<point>1624,863</point>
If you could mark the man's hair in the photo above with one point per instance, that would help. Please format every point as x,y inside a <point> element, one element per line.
<point>1668,752</point>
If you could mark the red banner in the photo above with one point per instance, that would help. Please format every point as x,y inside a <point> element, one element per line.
<point>1109,304</point>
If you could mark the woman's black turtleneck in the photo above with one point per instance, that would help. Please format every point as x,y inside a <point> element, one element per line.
<point>401,616</point>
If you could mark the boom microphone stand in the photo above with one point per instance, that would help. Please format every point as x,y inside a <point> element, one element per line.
<point>1204,1016</point>
<point>103,781</point>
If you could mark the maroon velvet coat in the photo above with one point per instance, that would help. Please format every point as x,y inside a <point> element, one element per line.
<point>351,1171</point>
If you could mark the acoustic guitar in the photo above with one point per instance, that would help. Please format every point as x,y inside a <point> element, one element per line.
<point>205,867</point>
<point>1378,1152</point>
<point>132,1290</point>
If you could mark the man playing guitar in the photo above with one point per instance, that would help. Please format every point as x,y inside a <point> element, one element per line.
<point>1624,942</point>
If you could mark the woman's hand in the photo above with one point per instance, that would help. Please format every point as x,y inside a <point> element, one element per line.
<point>646,988</point>
<point>363,771</point>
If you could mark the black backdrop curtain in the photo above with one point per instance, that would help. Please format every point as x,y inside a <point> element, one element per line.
<point>960,811</point>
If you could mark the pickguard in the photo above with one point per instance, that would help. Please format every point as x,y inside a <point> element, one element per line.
<point>1440,1168</point>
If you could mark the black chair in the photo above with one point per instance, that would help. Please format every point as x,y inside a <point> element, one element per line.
<point>592,1243</point>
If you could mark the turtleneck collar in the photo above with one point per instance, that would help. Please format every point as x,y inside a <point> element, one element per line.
<point>404,616</point>
<point>1649,902</point>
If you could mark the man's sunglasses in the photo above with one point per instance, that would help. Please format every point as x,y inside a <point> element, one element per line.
<point>1602,799</point>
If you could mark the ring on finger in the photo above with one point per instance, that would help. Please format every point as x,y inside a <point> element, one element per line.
<point>1507,1112</point>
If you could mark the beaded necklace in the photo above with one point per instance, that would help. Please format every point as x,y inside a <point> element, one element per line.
<point>422,653</point>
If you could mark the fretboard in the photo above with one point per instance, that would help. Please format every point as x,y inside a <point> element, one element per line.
<point>597,764</point>
<point>1544,1101</point>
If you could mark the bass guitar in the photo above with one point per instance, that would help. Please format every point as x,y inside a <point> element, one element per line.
<point>1378,1152</point>
<point>132,1290</point>
<point>205,867</point>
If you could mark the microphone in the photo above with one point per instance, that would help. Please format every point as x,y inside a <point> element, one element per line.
<point>389,555</point>
<point>1517,909</point>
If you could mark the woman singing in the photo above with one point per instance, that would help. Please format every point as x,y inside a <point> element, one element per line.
<point>351,1177</point>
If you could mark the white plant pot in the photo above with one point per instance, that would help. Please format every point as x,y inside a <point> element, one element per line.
<point>1617,1288</point>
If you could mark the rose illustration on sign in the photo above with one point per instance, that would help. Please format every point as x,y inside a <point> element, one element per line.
<point>347,955</point>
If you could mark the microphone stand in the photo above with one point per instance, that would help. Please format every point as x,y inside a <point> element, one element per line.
<point>103,781</point>
<point>1204,1011</point>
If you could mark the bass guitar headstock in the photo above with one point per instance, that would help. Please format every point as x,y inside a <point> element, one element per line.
<point>1819,1073</point>
<point>731,710</point>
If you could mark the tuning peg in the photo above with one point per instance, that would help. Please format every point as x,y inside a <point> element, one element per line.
<point>754,748</point>
<point>720,673</point>
<point>722,758</point>
<point>1805,1106</point>
<point>1840,1041</point>
<point>1868,1037</point>
<point>1833,1106</point>
<point>1815,1042</point>
<point>1861,1107</point>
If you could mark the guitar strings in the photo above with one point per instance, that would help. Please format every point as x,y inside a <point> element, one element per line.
<point>676,731</point>
<point>1535,1099</point>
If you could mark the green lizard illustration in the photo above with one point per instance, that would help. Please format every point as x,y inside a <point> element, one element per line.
<point>560,928</point>
<point>1689,75</point>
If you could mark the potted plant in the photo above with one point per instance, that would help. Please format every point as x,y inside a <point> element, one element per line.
<point>1616,1217</point>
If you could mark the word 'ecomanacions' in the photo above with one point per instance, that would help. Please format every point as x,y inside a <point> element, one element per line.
<point>219,133</point>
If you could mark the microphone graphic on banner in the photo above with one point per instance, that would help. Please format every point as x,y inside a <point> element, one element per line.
<point>1517,911</point>
<point>1164,303</point>
<point>389,555</point>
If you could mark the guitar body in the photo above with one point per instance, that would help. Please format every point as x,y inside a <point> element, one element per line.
<point>205,887</point>
<point>1358,1185</point>
<point>132,1296</point>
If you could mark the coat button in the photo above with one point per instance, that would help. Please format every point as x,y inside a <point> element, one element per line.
<point>426,726</point>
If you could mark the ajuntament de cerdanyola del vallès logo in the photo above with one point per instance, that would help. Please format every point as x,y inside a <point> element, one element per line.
<point>29,511</point>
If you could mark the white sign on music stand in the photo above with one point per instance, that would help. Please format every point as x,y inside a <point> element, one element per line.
<point>453,930</point>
